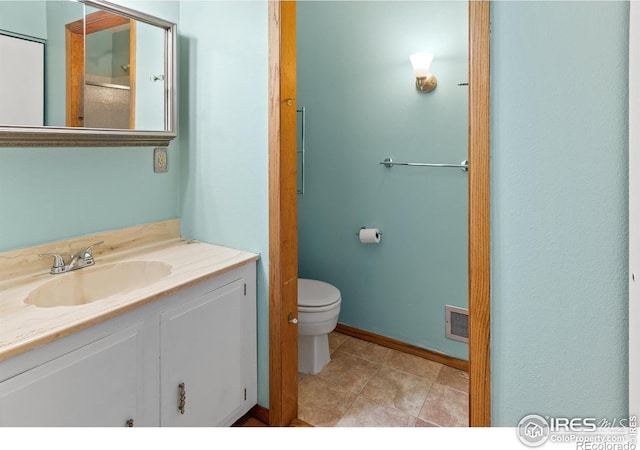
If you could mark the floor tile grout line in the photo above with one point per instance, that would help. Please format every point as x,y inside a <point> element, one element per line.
<point>401,411</point>
<point>454,389</point>
<point>370,377</point>
<point>335,384</point>
<point>412,374</point>
<point>426,397</point>
<point>346,410</point>
<point>392,408</point>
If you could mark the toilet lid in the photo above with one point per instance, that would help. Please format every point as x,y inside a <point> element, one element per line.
<point>313,293</point>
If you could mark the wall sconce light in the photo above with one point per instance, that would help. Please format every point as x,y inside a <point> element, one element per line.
<point>425,81</point>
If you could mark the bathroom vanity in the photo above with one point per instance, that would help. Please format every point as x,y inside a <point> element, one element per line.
<point>178,351</point>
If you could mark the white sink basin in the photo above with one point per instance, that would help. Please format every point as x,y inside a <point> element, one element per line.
<point>97,283</point>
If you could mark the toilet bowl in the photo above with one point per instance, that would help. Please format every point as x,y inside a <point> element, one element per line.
<point>318,310</point>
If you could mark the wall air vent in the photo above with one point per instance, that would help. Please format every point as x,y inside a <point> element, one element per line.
<point>457,323</point>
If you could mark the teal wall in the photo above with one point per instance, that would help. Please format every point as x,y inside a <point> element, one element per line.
<point>106,52</point>
<point>99,53</point>
<point>559,209</point>
<point>48,194</point>
<point>357,85</point>
<point>27,18</point>
<point>121,46</point>
<point>224,136</point>
<point>149,44</point>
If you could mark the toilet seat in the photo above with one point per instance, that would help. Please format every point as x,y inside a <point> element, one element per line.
<point>316,296</point>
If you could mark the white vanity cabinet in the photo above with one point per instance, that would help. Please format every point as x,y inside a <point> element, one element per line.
<point>127,371</point>
<point>96,384</point>
<point>208,358</point>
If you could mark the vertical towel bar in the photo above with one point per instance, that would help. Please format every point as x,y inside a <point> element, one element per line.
<point>300,152</point>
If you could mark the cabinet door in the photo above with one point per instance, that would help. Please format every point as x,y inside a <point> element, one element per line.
<point>95,385</point>
<point>204,359</point>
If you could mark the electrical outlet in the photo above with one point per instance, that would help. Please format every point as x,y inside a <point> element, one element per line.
<point>160,160</point>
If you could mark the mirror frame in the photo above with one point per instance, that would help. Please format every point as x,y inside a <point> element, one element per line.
<point>30,136</point>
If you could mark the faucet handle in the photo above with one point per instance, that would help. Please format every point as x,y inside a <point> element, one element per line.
<point>58,262</point>
<point>87,252</point>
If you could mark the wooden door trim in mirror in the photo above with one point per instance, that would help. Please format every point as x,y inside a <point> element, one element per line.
<point>74,136</point>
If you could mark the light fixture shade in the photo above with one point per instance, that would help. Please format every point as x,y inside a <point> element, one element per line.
<point>421,63</point>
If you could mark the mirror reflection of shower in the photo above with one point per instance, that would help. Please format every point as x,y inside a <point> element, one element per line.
<point>107,78</point>
<point>101,58</point>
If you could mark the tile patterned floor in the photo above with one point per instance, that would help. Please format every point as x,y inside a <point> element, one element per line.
<point>367,385</point>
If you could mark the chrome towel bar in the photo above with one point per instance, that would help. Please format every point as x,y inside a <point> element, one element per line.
<point>388,162</point>
<point>301,148</point>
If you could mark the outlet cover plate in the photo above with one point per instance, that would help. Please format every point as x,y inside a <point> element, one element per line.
<point>160,160</point>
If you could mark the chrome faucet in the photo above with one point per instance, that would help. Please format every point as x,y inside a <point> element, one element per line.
<point>77,261</point>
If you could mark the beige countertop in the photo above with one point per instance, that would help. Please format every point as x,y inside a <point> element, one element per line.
<point>24,326</point>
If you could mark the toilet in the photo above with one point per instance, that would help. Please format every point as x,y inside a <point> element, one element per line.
<point>318,310</point>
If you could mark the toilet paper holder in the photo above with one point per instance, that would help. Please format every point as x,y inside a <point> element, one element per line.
<point>364,228</point>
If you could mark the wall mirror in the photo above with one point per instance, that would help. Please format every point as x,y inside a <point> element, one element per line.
<point>85,73</point>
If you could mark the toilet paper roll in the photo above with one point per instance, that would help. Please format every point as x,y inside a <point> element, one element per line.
<point>370,235</point>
